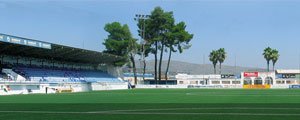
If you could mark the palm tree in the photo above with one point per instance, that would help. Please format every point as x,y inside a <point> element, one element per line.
<point>221,57</point>
<point>213,57</point>
<point>268,56</point>
<point>274,57</point>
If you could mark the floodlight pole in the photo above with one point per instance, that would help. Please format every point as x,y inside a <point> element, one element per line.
<point>204,81</point>
<point>142,17</point>
<point>299,68</point>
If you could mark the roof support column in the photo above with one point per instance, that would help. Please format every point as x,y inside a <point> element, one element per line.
<point>52,62</point>
<point>2,58</point>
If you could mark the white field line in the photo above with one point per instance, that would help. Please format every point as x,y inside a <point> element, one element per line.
<point>193,93</point>
<point>239,94</point>
<point>221,108</point>
<point>154,113</point>
<point>148,111</point>
<point>235,114</point>
<point>190,94</point>
<point>247,95</point>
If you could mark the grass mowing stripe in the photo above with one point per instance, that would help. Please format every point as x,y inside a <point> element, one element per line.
<point>160,109</point>
<point>154,113</point>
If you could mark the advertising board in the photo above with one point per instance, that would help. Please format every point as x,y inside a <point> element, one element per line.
<point>294,86</point>
<point>23,41</point>
<point>250,74</point>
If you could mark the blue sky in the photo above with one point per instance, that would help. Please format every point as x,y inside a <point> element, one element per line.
<point>243,28</point>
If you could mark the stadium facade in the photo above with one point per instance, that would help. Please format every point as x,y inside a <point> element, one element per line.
<point>32,66</point>
<point>248,80</point>
<point>279,79</point>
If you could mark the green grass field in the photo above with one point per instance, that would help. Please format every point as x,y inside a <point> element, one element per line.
<point>155,104</point>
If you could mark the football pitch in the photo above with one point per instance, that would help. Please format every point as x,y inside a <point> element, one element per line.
<point>156,104</point>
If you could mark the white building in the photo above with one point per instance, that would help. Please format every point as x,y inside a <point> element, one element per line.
<point>196,79</point>
<point>286,78</point>
<point>257,78</point>
<point>207,81</point>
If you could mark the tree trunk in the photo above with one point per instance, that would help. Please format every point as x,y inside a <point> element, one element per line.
<point>168,65</point>
<point>273,66</point>
<point>160,61</point>
<point>144,69</point>
<point>155,62</point>
<point>134,69</point>
<point>268,64</point>
<point>220,69</point>
<point>215,71</point>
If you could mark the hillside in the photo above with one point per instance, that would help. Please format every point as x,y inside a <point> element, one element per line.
<point>191,68</point>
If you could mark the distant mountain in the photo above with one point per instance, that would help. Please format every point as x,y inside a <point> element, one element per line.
<point>191,68</point>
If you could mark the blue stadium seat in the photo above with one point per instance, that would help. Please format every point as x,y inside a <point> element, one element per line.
<point>64,75</point>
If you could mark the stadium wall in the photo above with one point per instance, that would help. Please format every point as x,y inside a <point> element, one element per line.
<point>111,86</point>
<point>192,86</point>
<point>12,88</point>
<point>161,86</point>
<point>277,86</point>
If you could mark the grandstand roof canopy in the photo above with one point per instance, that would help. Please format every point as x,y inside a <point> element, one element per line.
<point>17,46</point>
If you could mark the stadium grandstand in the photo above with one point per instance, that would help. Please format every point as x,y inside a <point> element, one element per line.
<point>32,66</point>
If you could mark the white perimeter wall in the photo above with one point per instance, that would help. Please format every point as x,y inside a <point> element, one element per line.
<point>110,86</point>
<point>190,86</point>
<point>41,88</point>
